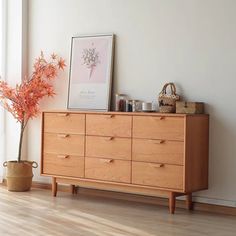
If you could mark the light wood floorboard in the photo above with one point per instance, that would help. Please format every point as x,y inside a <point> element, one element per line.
<point>37,213</point>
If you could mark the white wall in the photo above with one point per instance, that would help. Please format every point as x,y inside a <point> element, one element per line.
<point>2,74</point>
<point>189,42</point>
<point>14,69</point>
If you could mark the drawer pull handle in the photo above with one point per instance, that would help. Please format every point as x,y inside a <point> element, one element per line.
<point>157,165</point>
<point>62,114</point>
<point>109,138</point>
<point>62,156</point>
<point>106,160</point>
<point>162,117</point>
<point>160,142</point>
<point>109,116</point>
<point>63,135</point>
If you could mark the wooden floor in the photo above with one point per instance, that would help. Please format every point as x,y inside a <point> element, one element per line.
<point>38,213</point>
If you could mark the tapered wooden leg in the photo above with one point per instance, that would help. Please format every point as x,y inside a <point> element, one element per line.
<point>73,189</point>
<point>189,202</point>
<point>54,187</point>
<point>76,189</point>
<point>172,203</point>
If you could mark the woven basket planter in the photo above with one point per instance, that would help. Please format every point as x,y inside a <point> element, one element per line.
<point>19,175</point>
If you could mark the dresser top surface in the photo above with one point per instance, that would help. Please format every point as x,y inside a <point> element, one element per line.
<point>122,113</point>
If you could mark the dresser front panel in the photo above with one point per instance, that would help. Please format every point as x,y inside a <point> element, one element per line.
<point>108,169</point>
<point>158,175</point>
<point>165,152</point>
<point>158,127</point>
<point>159,151</point>
<point>64,122</point>
<point>62,143</point>
<point>108,147</point>
<point>63,165</point>
<point>108,125</point>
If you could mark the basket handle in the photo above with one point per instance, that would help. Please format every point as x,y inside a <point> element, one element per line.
<point>34,164</point>
<point>163,91</point>
<point>172,87</point>
<point>5,163</point>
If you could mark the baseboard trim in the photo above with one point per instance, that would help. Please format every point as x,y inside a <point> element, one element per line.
<point>197,206</point>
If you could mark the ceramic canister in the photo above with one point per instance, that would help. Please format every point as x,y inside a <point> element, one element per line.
<point>146,106</point>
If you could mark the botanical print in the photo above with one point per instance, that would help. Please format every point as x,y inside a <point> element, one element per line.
<point>91,72</point>
<point>90,59</point>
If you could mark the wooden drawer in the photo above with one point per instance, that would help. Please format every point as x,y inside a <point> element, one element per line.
<point>159,175</point>
<point>108,147</point>
<point>108,169</point>
<point>64,123</point>
<point>108,125</point>
<point>158,127</point>
<point>62,143</point>
<point>65,165</point>
<point>159,151</point>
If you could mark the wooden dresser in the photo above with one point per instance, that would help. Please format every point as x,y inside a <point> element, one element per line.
<point>151,154</point>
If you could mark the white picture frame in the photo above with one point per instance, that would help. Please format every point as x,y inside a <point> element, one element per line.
<point>90,77</point>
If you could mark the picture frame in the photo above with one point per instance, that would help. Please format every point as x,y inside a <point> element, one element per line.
<point>91,69</point>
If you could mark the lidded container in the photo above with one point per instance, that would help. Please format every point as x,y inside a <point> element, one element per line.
<point>136,105</point>
<point>120,102</point>
<point>129,105</point>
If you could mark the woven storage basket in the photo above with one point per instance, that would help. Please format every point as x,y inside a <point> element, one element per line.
<point>190,107</point>
<point>167,102</point>
<point>19,175</point>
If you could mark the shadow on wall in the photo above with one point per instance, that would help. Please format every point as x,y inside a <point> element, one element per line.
<point>222,159</point>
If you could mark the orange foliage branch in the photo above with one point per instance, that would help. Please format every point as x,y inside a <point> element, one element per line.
<point>23,100</point>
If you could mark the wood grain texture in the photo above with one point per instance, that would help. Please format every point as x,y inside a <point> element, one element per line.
<point>66,165</point>
<point>135,153</point>
<point>115,186</point>
<point>159,199</point>
<point>160,151</point>
<point>196,158</point>
<point>60,143</point>
<point>108,169</point>
<point>107,147</point>
<point>172,203</point>
<point>36,213</point>
<point>108,125</point>
<point>54,187</point>
<point>189,201</point>
<point>152,174</point>
<point>158,114</point>
<point>162,127</point>
<point>64,122</point>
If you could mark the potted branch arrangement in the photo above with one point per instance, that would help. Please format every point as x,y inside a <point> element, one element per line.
<point>22,102</point>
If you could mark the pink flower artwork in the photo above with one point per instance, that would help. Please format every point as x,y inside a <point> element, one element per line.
<point>90,59</point>
<point>90,62</point>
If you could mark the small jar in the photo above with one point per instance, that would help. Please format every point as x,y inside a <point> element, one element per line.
<point>129,106</point>
<point>120,102</point>
<point>135,105</point>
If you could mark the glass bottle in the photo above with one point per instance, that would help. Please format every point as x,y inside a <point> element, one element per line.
<point>120,102</point>
<point>129,105</point>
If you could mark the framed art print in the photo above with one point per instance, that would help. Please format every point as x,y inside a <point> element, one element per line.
<point>91,72</point>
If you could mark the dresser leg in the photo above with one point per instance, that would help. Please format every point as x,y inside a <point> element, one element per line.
<point>76,189</point>
<point>189,201</point>
<point>172,203</point>
<point>54,187</point>
<point>73,189</point>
